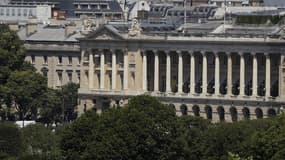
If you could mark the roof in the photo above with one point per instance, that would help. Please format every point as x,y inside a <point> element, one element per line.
<point>280,3</point>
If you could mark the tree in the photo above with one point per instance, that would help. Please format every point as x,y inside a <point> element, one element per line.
<point>10,140</point>
<point>25,87</point>
<point>69,100</point>
<point>50,107</point>
<point>144,129</point>
<point>41,142</point>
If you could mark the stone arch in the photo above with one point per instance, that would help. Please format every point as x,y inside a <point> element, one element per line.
<point>196,110</point>
<point>183,109</point>
<point>246,113</point>
<point>258,113</point>
<point>271,112</point>
<point>234,114</point>
<point>209,112</point>
<point>221,113</point>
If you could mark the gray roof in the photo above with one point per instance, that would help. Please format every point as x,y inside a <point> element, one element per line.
<point>280,3</point>
<point>51,34</point>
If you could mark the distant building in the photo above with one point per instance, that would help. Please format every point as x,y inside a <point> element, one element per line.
<point>23,13</point>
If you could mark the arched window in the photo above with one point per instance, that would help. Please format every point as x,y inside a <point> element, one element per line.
<point>221,113</point>
<point>208,111</point>
<point>196,110</point>
<point>234,114</point>
<point>183,109</point>
<point>246,113</point>
<point>259,113</point>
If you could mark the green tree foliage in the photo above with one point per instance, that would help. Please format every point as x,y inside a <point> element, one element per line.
<point>69,96</point>
<point>25,87</point>
<point>41,142</point>
<point>10,140</point>
<point>144,129</point>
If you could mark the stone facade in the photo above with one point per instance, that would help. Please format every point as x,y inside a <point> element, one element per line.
<point>219,78</point>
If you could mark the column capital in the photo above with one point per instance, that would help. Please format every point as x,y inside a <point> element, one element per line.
<point>179,52</point>
<point>216,53</point>
<point>267,54</point>
<point>191,52</point>
<point>253,53</point>
<point>203,53</point>
<point>229,54</point>
<point>241,54</point>
<point>167,52</point>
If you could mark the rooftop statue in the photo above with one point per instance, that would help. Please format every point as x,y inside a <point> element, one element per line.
<point>135,29</point>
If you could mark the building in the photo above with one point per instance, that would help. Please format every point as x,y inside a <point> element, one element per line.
<point>232,77</point>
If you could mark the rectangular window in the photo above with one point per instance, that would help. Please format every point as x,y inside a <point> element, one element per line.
<point>2,12</point>
<point>60,60</point>
<point>78,77</point>
<point>59,78</point>
<point>69,60</point>
<point>19,12</point>
<point>33,59</point>
<point>13,12</point>
<point>69,76</point>
<point>7,12</point>
<point>25,12</point>
<point>45,60</point>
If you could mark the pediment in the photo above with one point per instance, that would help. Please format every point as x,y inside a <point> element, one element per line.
<point>104,33</point>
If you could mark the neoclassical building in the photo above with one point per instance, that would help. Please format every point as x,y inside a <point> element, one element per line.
<point>216,76</point>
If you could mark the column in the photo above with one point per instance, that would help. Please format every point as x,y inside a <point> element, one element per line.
<point>242,73</point>
<point>156,71</point>
<point>126,70</point>
<point>168,72</point>
<point>254,75</point>
<point>91,71</point>
<point>281,84</point>
<point>229,74</point>
<point>192,73</point>
<point>204,77</point>
<point>217,74</point>
<point>102,69</point>
<point>180,72</point>
<point>114,70</point>
<point>144,79</point>
<point>267,76</point>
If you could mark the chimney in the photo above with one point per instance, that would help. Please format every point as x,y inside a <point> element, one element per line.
<point>70,29</point>
<point>31,28</point>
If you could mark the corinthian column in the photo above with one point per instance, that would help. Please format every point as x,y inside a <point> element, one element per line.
<point>204,77</point>
<point>192,73</point>
<point>156,71</point>
<point>144,79</point>
<point>267,76</point>
<point>102,70</point>
<point>217,74</point>
<point>168,72</point>
<point>91,71</point>
<point>242,73</point>
<point>114,70</point>
<point>229,74</point>
<point>126,70</point>
<point>254,75</point>
<point>180,72</point>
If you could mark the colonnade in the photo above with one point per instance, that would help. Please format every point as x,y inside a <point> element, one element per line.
<point>242,71</point>
<point>181,55</point>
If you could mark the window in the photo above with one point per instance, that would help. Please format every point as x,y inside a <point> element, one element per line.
<point>2,12</point>
<point>45,60</point>
<point>60,60</point>
<point>7,12</point>
<point>59,78</point>
<point>13,12</point>
<point>30,12</point>
<point>78,77</point>
<point>33,59</point>
<point>69,76</point>
<point>25,12</point>
<point>69,60</point>
<point>19,12</point>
